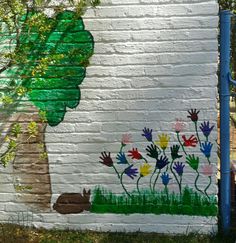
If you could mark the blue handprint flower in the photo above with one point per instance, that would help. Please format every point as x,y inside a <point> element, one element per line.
<point>179,168</point>
<point>147,133</point>
<point>165,178</point>
<point>206,129</point>
<point>121,158</point>
<point>131,172</point>
<point>162,162</point>
<point>206,149</point>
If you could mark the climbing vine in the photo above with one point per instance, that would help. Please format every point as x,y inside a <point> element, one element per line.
<point>32,46</point>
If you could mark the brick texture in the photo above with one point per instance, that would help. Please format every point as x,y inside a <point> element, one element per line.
<point>153,60</point>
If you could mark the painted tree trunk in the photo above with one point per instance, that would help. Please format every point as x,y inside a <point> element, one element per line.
<point>30,167</point>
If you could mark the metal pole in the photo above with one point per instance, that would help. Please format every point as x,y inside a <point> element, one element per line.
<point>225,194</point>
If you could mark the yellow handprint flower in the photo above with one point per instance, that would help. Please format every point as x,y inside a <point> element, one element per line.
<point>145,169</point>
<point>163,141</point>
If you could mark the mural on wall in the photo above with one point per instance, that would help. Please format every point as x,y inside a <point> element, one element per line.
<point>38,88</point>
<point>170,165</point>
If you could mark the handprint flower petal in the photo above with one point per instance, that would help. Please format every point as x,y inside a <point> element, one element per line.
<point>126,138</point>
<point>165,178</point>
<point>106,159</point>
<point>163,141</point>
<point>162,162</point>
<point>179,168</point>
<point>121,158</point>
<point>152,151</point>
<point>206,149</point>
<point>190,142</point>
<point>206,129</point>
<point>131,172</point>
<point>145,169</point>
<point>134,154</point>
<point>207,170</point>
<point>178,126</point>
<point>175,152</point>
<point>193,115</point>
<point>193,161</point>
<point>147,133</point>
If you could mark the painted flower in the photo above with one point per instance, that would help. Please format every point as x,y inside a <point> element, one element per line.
<point>175,152</point>
<point>207,170</point>
<point>131,172</point>
<point>126,138</point>
<point>179,126</point>
<point>206,129</point>
<point>121,158</point>
<point>162,162</point>
<point>192,161</point>
<point>206,149</point>
<point>145,169</point>
<point>163,141</point>
<point>193,115</point>
<point>190,142</point>
<point>134,153</point>
<point>106,159</point>
<point>179,168</point>
<point>165,178</point>
<point>152,151</point>
<point>147,133</point>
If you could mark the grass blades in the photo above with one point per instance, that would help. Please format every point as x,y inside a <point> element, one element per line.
<point>190,203</point>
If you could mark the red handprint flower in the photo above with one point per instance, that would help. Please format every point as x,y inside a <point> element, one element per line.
<point>191,142</point>
<point>134,153</point>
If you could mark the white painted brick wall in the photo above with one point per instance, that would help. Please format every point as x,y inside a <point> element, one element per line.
<point>153,60</point>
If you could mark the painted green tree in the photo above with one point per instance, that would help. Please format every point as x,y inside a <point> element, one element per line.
<point>43,61</point>
<point>52,64</point>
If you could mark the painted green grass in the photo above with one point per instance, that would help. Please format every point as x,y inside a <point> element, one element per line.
<point>190,203</point>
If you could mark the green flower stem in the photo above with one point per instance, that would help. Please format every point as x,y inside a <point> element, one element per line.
<point>195,182</point>
<point>209,162</point>
<point>116,171</point>
<point>167,167</point>
<point>182,146</point>
<point>121,147</point>
<point>137,183</point>
<point>208,187</point>
<point>164,152</point>
<point>121,182</point>
<point>176,178</point>
<point>180,185</point>
<point>144,159</point>
<point>195,123</point>
<point>150,182</point>
<point>166,191</point>
<point>155,182</point>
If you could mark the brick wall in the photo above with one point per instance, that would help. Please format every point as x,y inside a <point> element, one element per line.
<point>153,61</point>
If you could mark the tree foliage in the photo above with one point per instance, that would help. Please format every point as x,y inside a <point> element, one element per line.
<point>42,60</point>
<point>228,5</point>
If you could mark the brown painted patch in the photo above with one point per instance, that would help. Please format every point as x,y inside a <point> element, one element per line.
<point>73,202</point>
<point>30,168</point>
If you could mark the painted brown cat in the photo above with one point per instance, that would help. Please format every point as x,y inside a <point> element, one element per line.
<point>73,202</point>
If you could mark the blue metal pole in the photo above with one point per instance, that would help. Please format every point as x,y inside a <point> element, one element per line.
<point>225,194</point>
